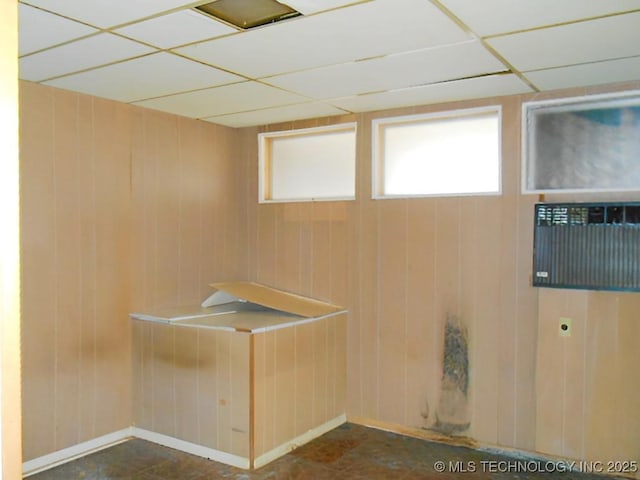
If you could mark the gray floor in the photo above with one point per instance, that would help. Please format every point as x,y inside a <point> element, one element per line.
<point>348,452</point>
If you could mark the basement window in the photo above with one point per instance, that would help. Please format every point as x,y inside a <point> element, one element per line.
<point>248,14</point>
<point>308,164</point>
<point>444,154</point>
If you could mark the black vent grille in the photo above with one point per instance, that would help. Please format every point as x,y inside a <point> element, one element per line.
<point>587,245</point>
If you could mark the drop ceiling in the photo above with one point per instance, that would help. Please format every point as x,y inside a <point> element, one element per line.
<point>340,56</point>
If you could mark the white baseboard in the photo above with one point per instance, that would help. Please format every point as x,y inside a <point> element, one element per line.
<point>306,437</point>
<point>65,455</point>
<point>192,448</point>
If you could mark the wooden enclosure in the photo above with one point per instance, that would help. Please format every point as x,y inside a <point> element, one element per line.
<point>242,397</point>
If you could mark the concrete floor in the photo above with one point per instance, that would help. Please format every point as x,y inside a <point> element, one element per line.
<point>348,452</point>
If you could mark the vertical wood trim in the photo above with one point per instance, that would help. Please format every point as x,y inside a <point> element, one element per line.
<point>11,429</point>
<point>252,401</point>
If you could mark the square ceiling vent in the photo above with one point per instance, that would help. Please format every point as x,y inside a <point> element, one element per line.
<point>246,14</point>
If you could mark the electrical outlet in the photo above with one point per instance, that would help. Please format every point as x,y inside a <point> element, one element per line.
<point>564,327</point>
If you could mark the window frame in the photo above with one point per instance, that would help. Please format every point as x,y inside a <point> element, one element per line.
<point>612,100</point>
<point>265,160</point>
<point>377,156</point>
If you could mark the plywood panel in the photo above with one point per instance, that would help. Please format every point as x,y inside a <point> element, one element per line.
<point>508,276</point>
<point>340,213</point>
<point>266,242</point>
<point>321,412</point>
<point>603,378</point>
<point>526,319</point>
<point>88,261</point>
<point>551,361</point>
<point>285,386</point>
<point>288,248</point>
<point>505,282</point>
<point>191,180</point>
<point>186,363</point>
<point>305,254</point>
<point>367,289</point>
<point>492,340</point>
<point>304,379</point>
<point>354,341</point>
<point>142,375</point>
<point>575,374</point>
<point>471,242</point>
<point>222,186</point>
<point>322,253</point>
<point>627,419</point>
<point>339,383</point>
<point>207,396</point>
<point>143,209</point>
<point>240,395</point>
<point>423,378</point>
<point>299,380</point>
<point>224,400</point>
<point>258,407</point>
<point>66,249</point>
<point>112,281</point>
<point>391,302</point>
<point>164,142</point>
<point>38,268</point>
<point>163,387</point>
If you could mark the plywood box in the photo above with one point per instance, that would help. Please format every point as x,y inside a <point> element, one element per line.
<point>243,378</point>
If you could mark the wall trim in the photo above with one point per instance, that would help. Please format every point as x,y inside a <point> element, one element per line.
<point>300,440</point>
<point>65,455</point>
<point>192,448</point>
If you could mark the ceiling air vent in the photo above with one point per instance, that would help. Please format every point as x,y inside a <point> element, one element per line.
<point>246,14</point>
<point>594,246</point>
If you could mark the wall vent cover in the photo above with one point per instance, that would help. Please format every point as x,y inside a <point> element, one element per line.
<point>594,246</point>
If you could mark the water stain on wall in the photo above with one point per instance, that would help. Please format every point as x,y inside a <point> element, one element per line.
<point>452,414</point>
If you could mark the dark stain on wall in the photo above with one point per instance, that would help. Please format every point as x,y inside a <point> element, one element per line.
<point>452,414</point>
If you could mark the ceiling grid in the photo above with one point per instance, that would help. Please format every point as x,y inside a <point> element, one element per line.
<point>339,56</point>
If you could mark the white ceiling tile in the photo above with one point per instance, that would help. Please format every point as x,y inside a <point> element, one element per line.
<point>365,30</point>
<point>39,29</point>
<point>234,98</point>
<point>82,54</point>
<point>164,74</point>
<point>108,13</point>
<point>392,72</point>
<point>176,29</point>
<point>276,115</point>
<point>595,40</point>
<point>482,87</point>
<point>490,17</point>
<point>307,7</point>
<point>587,74</point>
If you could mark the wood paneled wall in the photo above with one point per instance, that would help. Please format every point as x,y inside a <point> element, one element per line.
<point>125,208</point>
<point>189,199</point>
<point>122,209</point>
<point>589,395</point>
<point>300,380</point>
<point>75,266</point>
<point>193,384</point>
<point>403,266</point>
